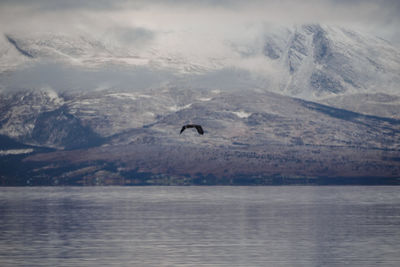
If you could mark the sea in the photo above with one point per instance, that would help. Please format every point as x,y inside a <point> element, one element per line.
<point>200,226</point>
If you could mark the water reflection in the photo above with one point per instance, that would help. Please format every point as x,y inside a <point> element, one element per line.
<point>195,226</point>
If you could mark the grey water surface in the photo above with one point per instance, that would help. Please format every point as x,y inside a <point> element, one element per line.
<point>200,226</point>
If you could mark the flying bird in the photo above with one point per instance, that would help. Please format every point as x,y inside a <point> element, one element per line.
<point>198,128</point>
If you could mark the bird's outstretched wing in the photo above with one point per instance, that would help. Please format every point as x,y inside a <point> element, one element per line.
<point>199,129</point>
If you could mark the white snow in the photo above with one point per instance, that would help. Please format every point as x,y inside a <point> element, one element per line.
<point>144,96</point>
<point>204,99</point>
<point>177,108</point>
<point>242,114</point>
<point>123,96</point>
<point>15,151</point>
<point>372,63</point>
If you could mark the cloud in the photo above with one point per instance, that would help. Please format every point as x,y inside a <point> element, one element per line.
<point>61,77</point>
<point>54,5</point>
<point>136,36</point>
<point>380,17</point>
<point>195,31</point>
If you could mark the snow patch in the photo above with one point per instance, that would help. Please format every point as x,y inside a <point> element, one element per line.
<point>87,111</point>
<point>128,96</point>
<point>123,96</point>
<point>86,102</point>
<point>150,114</point>
<point>53,96</point>
<point>145,96</point>
<point>204,99</point>
<point>242,114</point>
<point>15,151</point>
<point>177,108</point>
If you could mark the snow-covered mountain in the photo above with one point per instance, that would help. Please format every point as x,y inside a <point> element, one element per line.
<point>81,49</point>
<point>120,134</point>
<point>325,61</point>
<point>248,118</point>
<point>309,61</point>
<point>306,101</point>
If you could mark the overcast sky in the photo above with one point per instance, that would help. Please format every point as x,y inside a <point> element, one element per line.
<point>228,17</point>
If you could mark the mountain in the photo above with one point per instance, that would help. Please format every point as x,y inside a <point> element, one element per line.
<point>311,61</point>
<point>308,104</point>
<point>326,61</point>
<point>250,137</point>
<point>20,110</point>
<point>380,104</point>
<point>84,50</point>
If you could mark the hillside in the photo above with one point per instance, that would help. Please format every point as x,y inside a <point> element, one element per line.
<point>308,104</point>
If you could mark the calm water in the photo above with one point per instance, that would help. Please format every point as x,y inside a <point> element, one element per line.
<point>200,226</point>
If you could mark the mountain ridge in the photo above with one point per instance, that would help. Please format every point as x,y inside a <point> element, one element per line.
<point>309,104</point>
<point>311,61</point>
<point>262,136</point>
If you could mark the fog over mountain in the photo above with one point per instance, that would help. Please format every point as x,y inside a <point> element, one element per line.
<point>96,93</point>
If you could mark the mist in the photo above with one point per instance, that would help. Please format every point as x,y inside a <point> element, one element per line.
<point>228,33</point>
<point>61,77</point>
<point>223,18</point>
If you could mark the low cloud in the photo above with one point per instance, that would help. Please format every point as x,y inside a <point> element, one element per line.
<point>61,77</point>
<point>131,36</point>
<point>380,17</point>
<point>198,31</point>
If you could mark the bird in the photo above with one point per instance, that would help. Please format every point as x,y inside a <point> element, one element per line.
<point>198,128</point>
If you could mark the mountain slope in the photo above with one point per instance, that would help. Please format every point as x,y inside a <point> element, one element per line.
<point>311,61</point>
<point>253,135</point>
<point>382,105</point>
<point>306,103</point>
<point>324,61</point>
<point>252,118</point>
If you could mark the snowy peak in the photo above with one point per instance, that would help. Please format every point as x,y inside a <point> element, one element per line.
<point>93,51</point>
<point>324,61</point>
<point>312,61</point>
<point>58,46</point>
